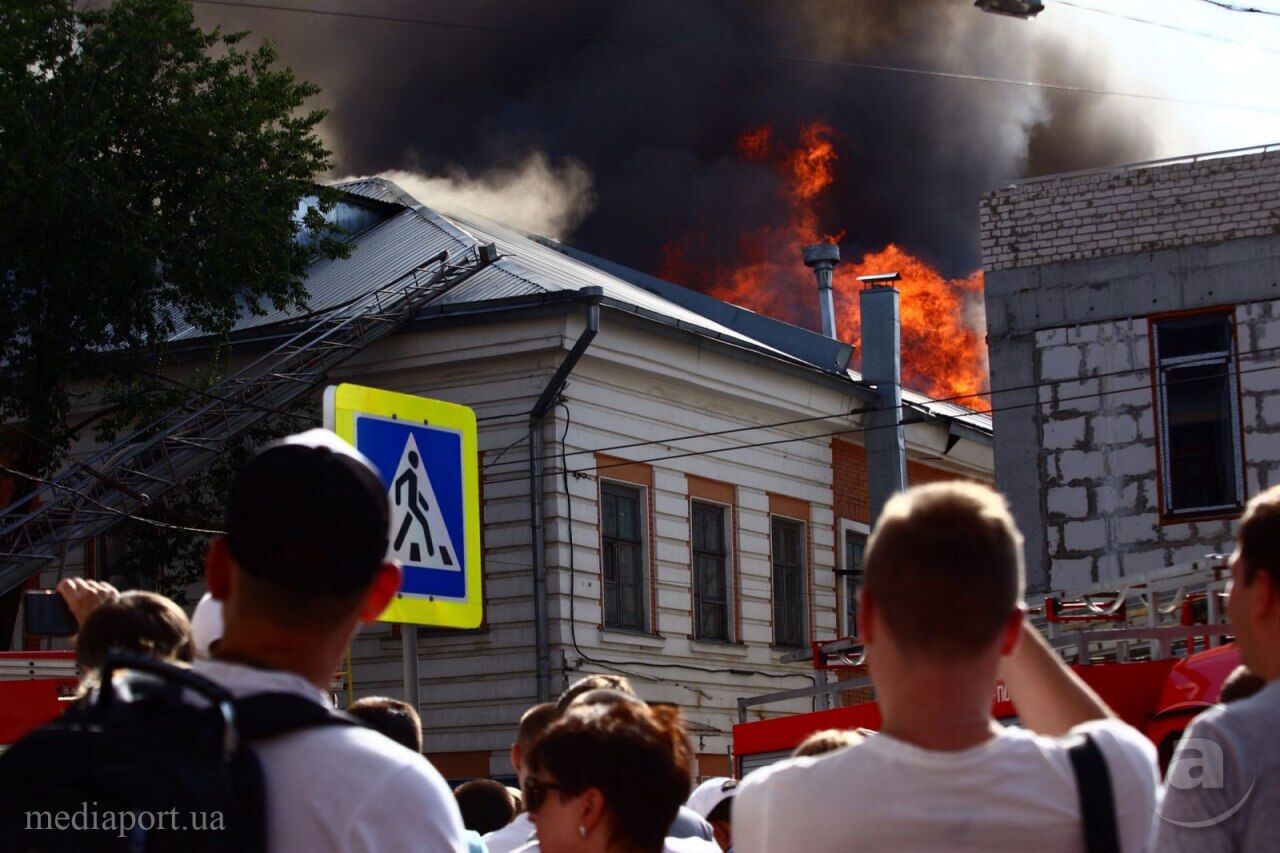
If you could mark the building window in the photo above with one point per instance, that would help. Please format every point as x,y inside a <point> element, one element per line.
<point>853,540</point>
<point>710,571</point>
<point>788,582</point>
<point>622,544</point>
<point>1199,416</point>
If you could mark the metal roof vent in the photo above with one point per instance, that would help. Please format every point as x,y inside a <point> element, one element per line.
<point>822,259</point>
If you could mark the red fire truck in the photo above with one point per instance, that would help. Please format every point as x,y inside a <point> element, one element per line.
<point>34,688</point>
<point>1157,650</point>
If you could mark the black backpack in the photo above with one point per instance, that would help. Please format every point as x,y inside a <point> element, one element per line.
<point>136,766</point>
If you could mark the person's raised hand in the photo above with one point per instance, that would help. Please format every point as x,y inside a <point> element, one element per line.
<point>83,596</point>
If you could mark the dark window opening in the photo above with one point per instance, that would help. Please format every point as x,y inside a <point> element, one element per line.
<point>710,572</point>
<point>788,583</point>
<point>1200,456</point>
<point>623,556</point>
<point>854,544</point>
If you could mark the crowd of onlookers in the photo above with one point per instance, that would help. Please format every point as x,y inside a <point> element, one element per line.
<point>303,563</point>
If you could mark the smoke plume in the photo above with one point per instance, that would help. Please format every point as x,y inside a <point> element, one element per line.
<point>650,98</point>
<point>534,195</point>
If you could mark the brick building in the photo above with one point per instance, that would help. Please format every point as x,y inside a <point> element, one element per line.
<point>1134,333</point>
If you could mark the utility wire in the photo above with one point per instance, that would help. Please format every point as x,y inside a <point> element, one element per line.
<point>586,471</point>
<point>718,51</point>
<point>1165,26</point>
<point>122,513</point>
<point>1232,7</point>
<point>573,595</point>
<point>1033,386</point>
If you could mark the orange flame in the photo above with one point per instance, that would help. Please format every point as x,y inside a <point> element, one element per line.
<point>943,352</point>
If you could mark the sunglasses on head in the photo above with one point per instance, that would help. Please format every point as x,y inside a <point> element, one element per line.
<point>535,792</point>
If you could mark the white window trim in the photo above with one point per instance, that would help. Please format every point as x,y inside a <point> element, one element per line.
<point>731,591</point>
<point>843,527</point>
<point>1227,357</point>
<point>646,568</point>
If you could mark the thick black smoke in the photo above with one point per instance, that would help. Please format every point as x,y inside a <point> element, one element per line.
<point>657,127</point>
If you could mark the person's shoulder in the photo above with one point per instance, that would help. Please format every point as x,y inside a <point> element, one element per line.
<point>689,845</point>
<point>1130,757</point>
<point>793,774</point>
<point>1111,733</point>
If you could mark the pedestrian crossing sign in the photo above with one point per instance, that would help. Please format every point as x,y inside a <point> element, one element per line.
<point>425,451</point>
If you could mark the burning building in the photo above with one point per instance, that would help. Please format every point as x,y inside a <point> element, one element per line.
<point>699,479</point>
<point>943,346</point>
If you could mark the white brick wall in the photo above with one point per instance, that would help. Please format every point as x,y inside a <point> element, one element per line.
<point>1098,455</point>
<point>1131,210</point>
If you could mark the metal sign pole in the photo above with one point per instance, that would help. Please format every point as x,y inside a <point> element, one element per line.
<point>409,643</point>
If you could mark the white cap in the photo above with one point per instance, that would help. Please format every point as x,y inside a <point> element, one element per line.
<point>206,625</point>
<point>321,437</point>
<point>712,793</point>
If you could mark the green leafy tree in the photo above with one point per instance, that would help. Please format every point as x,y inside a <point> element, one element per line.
<point>151,174</point>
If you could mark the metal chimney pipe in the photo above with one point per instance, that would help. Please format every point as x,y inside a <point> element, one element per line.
<point>882,367</point>
<point>822,258</point>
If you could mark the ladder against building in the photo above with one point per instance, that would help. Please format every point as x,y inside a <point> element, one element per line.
<point>127,477</point>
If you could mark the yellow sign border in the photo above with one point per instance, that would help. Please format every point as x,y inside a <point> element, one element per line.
<point>342,403</point>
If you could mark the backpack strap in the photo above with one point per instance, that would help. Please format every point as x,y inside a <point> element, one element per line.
<point>1097,805</point>
<point>265,715</point>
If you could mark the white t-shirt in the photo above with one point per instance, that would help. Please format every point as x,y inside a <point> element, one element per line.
<point>515,834</point>
<point>1016,791</point>
<point>343,788</point>
<point>669,845</point>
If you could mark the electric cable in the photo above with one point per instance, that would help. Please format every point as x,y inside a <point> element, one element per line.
<point>954,399</point>
<point>4,469</point>
<point>1233,7</point>
<point>573,632</point>
<point>1165,26</point>
<point>862,429</point>
<point>742,54</point>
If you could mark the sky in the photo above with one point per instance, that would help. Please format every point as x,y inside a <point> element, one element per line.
<point>615,126</point>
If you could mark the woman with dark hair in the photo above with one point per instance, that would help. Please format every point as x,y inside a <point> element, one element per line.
<point>610,776</point>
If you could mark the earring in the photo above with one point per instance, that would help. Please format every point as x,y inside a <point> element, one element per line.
<point>582,831</point>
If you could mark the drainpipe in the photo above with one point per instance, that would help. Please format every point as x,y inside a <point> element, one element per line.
<point>537,530</point>
<point>882,368</point>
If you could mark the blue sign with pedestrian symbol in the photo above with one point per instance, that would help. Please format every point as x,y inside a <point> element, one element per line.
<point>425,451</point>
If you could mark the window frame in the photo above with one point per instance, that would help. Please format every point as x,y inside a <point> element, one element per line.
<point>802,569</point>
<point>1230,358</point>
<point>726,517</point>
<point>844,527</point>
<point>642,507</point>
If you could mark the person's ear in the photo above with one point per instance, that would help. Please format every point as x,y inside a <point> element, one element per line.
<point>866,611</point>
<point>1266,594</point>
<point>386,583</point>
<point>217,567</point>
<point>1012,632</point>
<point>516,758</point>
<point>591,809</point>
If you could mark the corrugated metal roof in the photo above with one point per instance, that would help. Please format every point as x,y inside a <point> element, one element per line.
<point>536,267</point>
<point>525,266</point>
<point>378,189</point>
<point>382,254</point>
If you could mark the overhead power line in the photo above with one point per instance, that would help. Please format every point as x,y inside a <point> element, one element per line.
<point>1221,39</point>
<point>741,54</point>
<point>958,398</point>
<point>1233,7</point>
<point>590,469</point>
